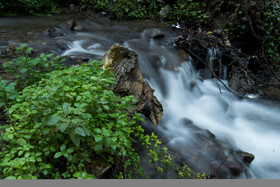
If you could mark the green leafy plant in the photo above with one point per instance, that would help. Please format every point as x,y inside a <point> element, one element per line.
<point>60,121</point>
<point>188,10</point>
<point>272,39</point>
<point>122,8</point>
<point>29,70</point>
<point>70,109</point>
<point>234,30</point>
<point>16,7</point>
<point>8,93</point>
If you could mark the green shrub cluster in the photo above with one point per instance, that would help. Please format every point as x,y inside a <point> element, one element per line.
<point>272,25</point>
<point>58,120</point>
<point>181,10</point>
<point>189,10</point>
<point>236,31</point>
<point>15,7</point>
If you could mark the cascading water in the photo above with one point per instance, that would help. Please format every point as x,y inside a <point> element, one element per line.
<point>247,124</point>
<point>191,105</point>
<point>214,59</point>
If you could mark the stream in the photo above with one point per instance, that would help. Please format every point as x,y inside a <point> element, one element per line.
<point>192,106</point>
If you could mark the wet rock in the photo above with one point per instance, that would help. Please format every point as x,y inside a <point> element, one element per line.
<point>72,8</point>
<point>3,43</point>
<point>154,33</point>
<point>62,44</point>
<point>130,81</point>
<point>3,31</point>
<point>247,158</point>
<point>210,155</point>
<point>72,24</point>
<point>52,33</point>
<point>271,93</point>
<point>78,28</point>
<point>193,84</point>
<point>98,167</point>
<point>240,81</point>
<point>185,56</point>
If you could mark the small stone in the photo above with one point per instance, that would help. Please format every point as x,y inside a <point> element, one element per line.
<point>71,23</point>
<point>154,33</point>
<point>62,44</point>
<point>246,157</point>
<point>78,28</point>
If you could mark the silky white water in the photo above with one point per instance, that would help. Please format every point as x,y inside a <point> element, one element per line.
<point>248,124</point>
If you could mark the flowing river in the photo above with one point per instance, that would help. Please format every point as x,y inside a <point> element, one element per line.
<point>191,105</point>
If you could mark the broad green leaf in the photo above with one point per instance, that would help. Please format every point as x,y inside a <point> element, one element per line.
<point>70,150</point>
<point>20,153</point>
<point>97,130</point>
<point>53,120</point>
<point>33,177</point>
<point>77,174</point>
<point>80,131</point>
<point>66,108</point>
<point>27,155</point>
<point>21,142</point>
<point>98,138</point>
<point>78,98</point>
<point>106,132</point>
<point>57,155</point>
<point>106,107</point>
<point>63,127</point>
<point>97,148</point>
<point>75,139</point>
<point>68,95</point>
<point>63,147</point>
<point>52,149</point>
<point>86,131</point>
<point>11,177</point>
<point>114,139</point>
<point>89,176</point>
<point>113,147</point>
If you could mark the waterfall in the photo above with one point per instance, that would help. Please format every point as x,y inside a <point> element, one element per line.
<point>192,106</point>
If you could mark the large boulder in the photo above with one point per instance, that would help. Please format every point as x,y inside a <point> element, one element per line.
<point>130,81</point>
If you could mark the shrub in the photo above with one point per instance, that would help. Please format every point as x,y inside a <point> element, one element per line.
<point>188,10</point>
<point>29,70</point>
<point>69,113</point>
<point>272,40</point>
<point>27,7</point>
<point>59,123</point>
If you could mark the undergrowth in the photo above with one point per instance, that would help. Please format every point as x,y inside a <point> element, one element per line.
<point>59,120</point>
